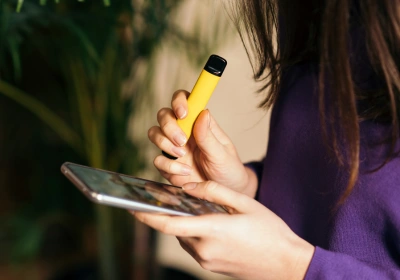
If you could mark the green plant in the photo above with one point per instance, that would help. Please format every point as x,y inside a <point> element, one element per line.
<point>43,2</point>
<point>65,63</point>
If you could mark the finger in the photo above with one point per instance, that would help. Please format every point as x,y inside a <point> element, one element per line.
<point>167,121</point>
<point>219,194</point>
<point>173,225</point>
<point>187,243</point>
<point>190,242</point>
<point>165,174</point>
<point>179,103</point>
<point>205,138</point>
<point>158,138</point>
<point>218,132</point>
<point>172,166</point>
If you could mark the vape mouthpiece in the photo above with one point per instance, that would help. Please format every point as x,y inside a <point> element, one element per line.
<point>215,65</point>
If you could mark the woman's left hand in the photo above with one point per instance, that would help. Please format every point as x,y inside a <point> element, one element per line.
<point>251,243</point>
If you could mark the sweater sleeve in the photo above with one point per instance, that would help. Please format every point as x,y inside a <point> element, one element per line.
<point>257,167</point>
<point>331,265</point>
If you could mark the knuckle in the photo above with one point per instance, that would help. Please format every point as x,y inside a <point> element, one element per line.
<point>179,99</point>
<point>161,141</point>
<point>209,187</point>
<point>162,113</point>
<point>170,166</point>
<point>204,254</point>
<point>166,125</point>
<point>205,265</point>
<point>165,174</point>
<point>158,162</point>
<point>164,165</point>
<point>157,137</point>
<point>178,93</point>
<point>152,132</point>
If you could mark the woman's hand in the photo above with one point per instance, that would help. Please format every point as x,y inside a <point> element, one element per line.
<point>208,155</point>
<point>251,243</point>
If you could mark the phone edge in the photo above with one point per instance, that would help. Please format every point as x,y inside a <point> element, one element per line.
<point>112,201</point>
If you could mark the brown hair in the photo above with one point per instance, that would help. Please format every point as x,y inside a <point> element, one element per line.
<point>319,31</point>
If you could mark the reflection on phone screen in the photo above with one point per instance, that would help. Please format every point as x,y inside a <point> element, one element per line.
<point>149,192</point>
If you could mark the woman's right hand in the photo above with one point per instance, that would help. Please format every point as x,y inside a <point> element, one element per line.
<point>208,155</point>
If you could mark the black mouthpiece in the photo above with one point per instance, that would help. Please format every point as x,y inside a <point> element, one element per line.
<point>215,65</point>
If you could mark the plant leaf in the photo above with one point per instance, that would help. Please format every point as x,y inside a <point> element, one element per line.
<point>41,111</point>
<point>19,5</point>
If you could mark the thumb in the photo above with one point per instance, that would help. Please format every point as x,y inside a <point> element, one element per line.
<point>209,136</point>
<point>219,194</point>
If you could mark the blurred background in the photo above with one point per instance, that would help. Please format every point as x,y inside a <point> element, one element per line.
<point>82,81</point>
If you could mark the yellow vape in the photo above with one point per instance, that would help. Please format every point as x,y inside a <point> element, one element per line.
<point>201,93</point>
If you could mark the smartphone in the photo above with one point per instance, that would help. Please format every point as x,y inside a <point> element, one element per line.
<point>119,190</point>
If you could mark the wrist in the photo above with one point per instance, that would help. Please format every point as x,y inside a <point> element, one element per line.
<point>299,258</point>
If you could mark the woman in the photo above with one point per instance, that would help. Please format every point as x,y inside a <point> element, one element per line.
<point>327,194</point>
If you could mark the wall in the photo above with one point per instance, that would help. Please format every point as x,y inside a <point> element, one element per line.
<point>233,105</point>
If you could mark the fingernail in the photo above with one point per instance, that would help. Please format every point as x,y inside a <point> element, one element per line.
<point>179,151</point>
<point>180,112</point>
<point>189,186</point>
<point>180,139</point>
<point>208,118</point>
<point>186,170</point>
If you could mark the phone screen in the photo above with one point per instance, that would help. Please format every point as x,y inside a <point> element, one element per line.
<point>128,188</point>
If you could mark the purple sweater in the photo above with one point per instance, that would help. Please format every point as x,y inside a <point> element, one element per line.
<point>300,182</point>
